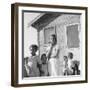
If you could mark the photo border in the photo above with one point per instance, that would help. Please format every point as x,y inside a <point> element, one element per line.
<point>15,37</point>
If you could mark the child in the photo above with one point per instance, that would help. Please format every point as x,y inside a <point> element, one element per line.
<point>65,65</point>
<point>34,62</point>
<point>44,68</point>
<point>25,67</point>
<point>70,60</point>
<point>75,67</point>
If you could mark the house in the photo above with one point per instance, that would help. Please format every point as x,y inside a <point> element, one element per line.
<point>67,28</point>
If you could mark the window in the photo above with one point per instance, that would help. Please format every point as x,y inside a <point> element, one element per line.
<point>72,36</point>
<point>47,33</point>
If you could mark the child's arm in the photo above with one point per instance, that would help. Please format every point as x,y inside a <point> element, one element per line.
<point>27,69</point>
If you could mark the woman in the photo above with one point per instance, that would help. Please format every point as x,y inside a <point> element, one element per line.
<point>53,55</point>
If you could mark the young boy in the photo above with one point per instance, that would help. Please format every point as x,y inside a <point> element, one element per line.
<point>75,67</point>
<point>34,62</point>
<point>44,68</point>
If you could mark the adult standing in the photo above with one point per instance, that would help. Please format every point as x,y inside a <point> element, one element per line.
<point>53,56</point>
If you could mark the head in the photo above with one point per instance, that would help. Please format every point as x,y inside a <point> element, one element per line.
<point>70,55</point>
<point>65,58</point>
<point>43,58</point>
<point>33,49</point>
<point>53,39</point>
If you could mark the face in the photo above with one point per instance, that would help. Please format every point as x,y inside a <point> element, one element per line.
<point>70,55</point>
<point>66,59</point>
<point>32,51</point>
<point>52,40</point>
<point>44,59</point>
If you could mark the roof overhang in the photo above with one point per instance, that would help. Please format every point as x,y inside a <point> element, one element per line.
<point>43,20</point>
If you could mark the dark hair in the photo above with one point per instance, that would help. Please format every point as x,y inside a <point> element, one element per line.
<point>65,56</point>
<point>43,55</point>
<point>70,55</point>
<point>34,46</point>
<point>54,36</point>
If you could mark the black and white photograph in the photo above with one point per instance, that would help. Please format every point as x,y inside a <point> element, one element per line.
<point>51,44</point>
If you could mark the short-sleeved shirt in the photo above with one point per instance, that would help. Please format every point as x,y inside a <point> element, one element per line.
<point>33,66</point>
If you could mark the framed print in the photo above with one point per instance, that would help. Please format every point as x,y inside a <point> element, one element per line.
<point>48,44</point>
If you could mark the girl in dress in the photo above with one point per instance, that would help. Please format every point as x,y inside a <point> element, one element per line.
<point>53,56</point>
<point>34,63</point>
<point>44,68</point>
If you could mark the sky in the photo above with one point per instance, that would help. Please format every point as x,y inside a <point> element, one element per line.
<point>30,33</point>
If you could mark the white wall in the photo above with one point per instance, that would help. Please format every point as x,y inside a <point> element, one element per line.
<point>5,44</point>
<point>60,24</point>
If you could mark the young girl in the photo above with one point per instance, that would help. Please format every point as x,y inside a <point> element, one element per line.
<point>44,68</point>
<point>34,62</point>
